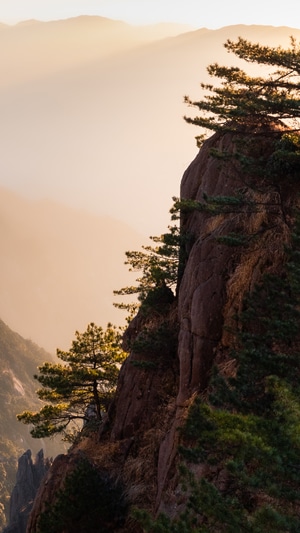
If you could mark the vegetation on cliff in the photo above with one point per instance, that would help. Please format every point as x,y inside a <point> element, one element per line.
<point>87,497</point>
<point>247,432</point>
<point>82,387</point>
<point>243,100</point>
<point>158,266</point>
<point>240,444</point>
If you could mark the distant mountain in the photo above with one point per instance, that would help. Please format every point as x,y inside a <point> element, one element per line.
<point>37,48</point>
<point>91,111</point>
<point>59,267</point>
<point>19,359</point>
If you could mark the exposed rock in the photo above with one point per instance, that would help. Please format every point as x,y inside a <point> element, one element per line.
<point>28,480</point>
<point>217,276</point>
<point>149,375</point>
<point>140,437</point>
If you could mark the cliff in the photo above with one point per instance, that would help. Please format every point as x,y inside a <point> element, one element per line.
<point>175,343</point>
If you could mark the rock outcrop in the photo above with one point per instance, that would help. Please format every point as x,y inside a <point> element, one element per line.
<point>217,277</point>
<point>29,476</point>
<point>138,442</point>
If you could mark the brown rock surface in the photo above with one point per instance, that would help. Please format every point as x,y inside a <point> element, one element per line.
<point>217,276</point>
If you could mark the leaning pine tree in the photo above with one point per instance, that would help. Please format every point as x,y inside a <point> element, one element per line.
<point>80,388</point>
<point>246,428</point>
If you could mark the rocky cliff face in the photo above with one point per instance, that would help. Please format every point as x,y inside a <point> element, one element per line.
<point>29,476</point>
<point>217,277</point>
<point>138,443</point>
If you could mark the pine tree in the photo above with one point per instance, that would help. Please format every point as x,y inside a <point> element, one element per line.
<point>243,101</point>
<point>84,382</point>
<point>158,265</point>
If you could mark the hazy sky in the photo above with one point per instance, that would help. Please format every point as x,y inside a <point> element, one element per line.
<point>198,13</point>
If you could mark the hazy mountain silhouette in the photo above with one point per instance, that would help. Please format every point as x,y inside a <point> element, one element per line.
<point>36,49</point>
<point>91,111</point>
<point>59,268</point>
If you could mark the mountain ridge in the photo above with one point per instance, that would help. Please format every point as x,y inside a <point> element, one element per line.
<point>19,360</point>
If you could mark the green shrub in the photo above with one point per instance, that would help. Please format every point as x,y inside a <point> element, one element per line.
<point>89,502</point>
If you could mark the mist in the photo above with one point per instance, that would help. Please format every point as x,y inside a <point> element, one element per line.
<point>93,147</point>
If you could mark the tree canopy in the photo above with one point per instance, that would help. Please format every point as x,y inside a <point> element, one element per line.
<point>241,99</point>
<point>80,388</point>
<point>158,265</point>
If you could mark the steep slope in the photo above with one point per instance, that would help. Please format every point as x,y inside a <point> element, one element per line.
<point>217,277</point>
<point>138,442</point>
<point>19,359</point>
<point>59,268</point>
